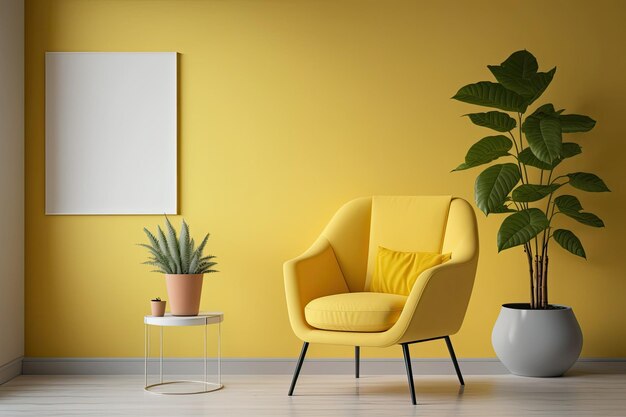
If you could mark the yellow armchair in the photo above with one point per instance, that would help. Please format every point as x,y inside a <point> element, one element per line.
<point>341,261</point>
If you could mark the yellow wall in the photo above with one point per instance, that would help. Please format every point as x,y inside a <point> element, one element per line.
<point>287,110</point>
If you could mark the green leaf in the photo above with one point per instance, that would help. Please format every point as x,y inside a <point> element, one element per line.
<point>551,133</point>
<point>545,110</point>
<point>165,251</point>
<point>527,193</point>
<point>572,123</point>
<point>568,203</point>
<point>570,149</point>
<point>527,157</point>
<point>162,241</point>
<point>494,184</point>
<point>152,239</point>
<point>206,265</point>
<point>192,249</point>
<point>153,263</point>
<point>495,120</point>
<point>588,219</point>
<point>544,137</point>
<point>519,74</point>
<point>569,242</point>
<point>521,227</point>
<point>172,245</point>
<point>521,63</point>
<point>486,150</point>
<point>513,82</point>
<point>193,263</point>
<point>153,252</point>
<point>158,256</point>
<point>202,245</point>
<point>571,207</point>
<point>150,248</point>
<point>502,209</point>
<point>540,82</point>
<point>529,88</point>
<point>197,258</point>
<point>183,246</point>
<point>587,182</point>
<point>490,94</point>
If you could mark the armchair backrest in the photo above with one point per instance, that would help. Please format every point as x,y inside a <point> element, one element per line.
<point>404,223</point>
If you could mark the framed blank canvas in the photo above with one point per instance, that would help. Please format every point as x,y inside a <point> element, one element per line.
<point>111,133</point>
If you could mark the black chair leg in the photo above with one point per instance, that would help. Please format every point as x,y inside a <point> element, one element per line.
<point>453,356</point>
<point>296,373</point>
<point>357,361</point>
<point>409,370</point>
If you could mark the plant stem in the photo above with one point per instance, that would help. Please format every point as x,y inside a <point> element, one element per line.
<point>541,283</point>
<point>552,214</point>
<point>546,232</point>
<point>537,298</point>
<point>519,164</point>
<point>521,141</point>
<point>529,256</point>
<point>545,280</point>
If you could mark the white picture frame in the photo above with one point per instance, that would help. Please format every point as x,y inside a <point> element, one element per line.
<point>111,133</point>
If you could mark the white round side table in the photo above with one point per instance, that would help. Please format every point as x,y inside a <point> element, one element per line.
<point>202,319</point>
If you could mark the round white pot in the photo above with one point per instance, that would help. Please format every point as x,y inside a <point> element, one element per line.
<point>539,343</point>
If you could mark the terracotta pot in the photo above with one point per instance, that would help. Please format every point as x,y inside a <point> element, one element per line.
<point>183,291</point>
<point>158,308</point>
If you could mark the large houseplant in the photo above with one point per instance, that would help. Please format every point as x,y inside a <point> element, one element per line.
<point>530,188</point>
<point>183,265</point>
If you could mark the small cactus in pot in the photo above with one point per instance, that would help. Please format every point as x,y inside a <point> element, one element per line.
<point>157,307</point>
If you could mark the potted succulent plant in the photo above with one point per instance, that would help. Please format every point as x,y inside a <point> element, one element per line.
<point>531,189</point>
<point>158,307</point>
<point>183,265</point>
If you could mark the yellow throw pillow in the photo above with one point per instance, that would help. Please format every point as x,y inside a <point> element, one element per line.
<point>396,272</point>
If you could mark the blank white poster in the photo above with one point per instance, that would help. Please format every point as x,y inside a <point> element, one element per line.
<point>111,133</point>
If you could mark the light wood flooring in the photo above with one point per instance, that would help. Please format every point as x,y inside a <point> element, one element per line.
<point>578,394</point>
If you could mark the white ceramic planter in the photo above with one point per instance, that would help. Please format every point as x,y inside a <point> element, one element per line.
<point>540,343</point>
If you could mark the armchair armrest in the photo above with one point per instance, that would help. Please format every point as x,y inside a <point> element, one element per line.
<point>315,273</point>
<point>437,303</point>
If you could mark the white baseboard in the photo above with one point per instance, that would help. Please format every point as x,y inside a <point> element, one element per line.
<point>10,370</point>
<point>267,366</point>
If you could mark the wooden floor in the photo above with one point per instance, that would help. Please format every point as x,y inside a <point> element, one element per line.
<point>317,395</point>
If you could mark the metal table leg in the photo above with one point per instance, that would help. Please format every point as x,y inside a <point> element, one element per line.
<point>146,351</point>
<point>219,353</point>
